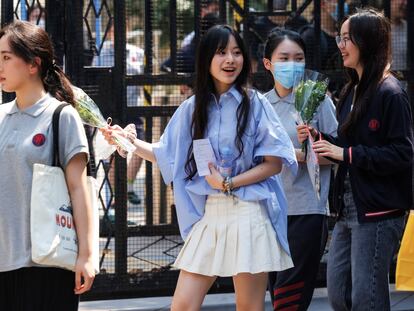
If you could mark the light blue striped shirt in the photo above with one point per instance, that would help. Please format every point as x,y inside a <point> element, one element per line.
<point>264,136</point>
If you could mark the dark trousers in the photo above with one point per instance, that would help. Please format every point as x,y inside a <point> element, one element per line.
<point>38,289</point>
<point>292,289</point>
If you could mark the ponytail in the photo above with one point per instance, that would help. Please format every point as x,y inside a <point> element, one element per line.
<point>58,85</point>
<point>30,43</point>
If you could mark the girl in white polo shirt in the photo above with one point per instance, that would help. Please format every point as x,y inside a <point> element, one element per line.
<point>27,68</point>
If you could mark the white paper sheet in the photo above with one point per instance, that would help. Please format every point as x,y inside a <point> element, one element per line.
<point>203,154</point>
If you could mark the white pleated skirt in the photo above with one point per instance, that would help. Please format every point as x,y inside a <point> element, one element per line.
<point>232,237</point>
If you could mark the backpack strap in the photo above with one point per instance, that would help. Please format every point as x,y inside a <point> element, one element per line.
<point>55,128</point>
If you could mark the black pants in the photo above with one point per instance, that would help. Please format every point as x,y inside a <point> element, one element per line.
<point>38,289</point>
<point>292,289</point>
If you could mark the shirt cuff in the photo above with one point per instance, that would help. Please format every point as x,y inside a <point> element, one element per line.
<point>75,151</point>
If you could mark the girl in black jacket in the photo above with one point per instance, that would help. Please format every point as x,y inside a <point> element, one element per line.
<point>374,149</point>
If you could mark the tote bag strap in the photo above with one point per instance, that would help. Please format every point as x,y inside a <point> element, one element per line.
<point>91,166</point>
<point>55,128</point>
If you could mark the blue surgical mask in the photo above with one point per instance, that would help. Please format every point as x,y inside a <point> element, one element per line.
<point>288,73</point>
<point>335,14</point>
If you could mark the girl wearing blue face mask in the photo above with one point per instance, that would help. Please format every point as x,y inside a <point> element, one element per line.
<point>307,229</point>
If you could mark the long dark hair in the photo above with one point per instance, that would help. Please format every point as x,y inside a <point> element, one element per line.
<point>29,42</point>
<point>214,40</point>
<point>370,31</point>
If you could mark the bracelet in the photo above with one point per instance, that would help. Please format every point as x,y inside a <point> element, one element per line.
<point>227,185</point>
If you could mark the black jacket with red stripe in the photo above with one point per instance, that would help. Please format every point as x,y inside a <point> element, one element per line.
<point>379,155</point>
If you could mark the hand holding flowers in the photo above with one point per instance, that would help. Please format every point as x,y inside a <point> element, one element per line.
<point>321,147</point>
<point>309,93</point>
<point>303,132</point>
<point>112,134</point>
<point>90,115</point>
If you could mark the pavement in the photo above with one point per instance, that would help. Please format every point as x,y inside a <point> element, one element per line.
<point>400,301</point>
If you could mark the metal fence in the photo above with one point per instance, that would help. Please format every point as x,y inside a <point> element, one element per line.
<point>136,60</point>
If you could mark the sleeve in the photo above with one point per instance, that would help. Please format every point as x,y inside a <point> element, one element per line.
<point>174,140</point>
<point>271,138</point>
<point>397,153</point>
<point>72,136</point>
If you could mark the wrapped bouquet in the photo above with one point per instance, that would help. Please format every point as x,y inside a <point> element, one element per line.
<point>309,92</point>
<point>92,116</point>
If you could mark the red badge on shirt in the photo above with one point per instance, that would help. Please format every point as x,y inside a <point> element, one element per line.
<point>38,140</point>
<point>373,124</point>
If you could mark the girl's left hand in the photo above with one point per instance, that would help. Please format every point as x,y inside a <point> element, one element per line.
<point>215,180</point>
<point>326,149</point>
<point>83,270</point>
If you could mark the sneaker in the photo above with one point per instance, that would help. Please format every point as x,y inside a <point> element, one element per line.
<point>133,198</point>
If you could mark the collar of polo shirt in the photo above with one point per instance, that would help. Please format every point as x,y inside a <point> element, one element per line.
<point>274,98</point>
<point>34,110</point>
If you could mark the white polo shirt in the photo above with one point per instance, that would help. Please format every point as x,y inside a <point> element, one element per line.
<point>26,138</point>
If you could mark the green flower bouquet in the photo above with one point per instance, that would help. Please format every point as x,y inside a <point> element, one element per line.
<point>309,92</point>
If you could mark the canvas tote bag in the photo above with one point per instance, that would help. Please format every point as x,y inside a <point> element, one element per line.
<point>52,227</point>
